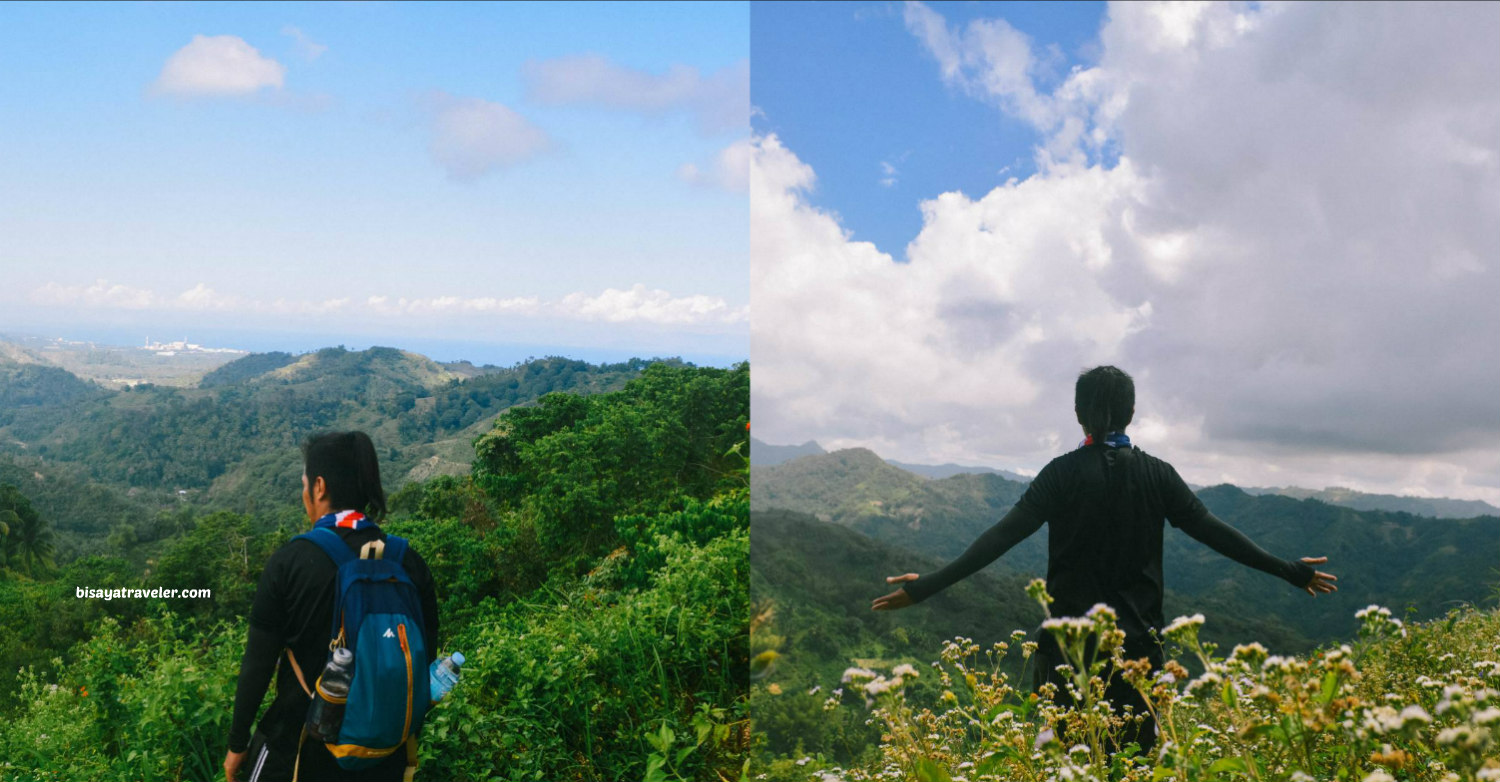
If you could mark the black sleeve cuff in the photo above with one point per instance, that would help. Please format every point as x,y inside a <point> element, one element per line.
<point>917,590</point>
<point>1299,574</point>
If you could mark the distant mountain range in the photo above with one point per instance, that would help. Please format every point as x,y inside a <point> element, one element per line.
<point>1437,507</point>
<point>766,455</point>
<point>1393,558</point>
<point>231,432</point>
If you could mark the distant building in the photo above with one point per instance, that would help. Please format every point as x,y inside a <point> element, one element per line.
<point>182,346</point>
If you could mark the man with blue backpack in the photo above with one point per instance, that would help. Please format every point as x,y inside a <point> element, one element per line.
<point>346,617</point>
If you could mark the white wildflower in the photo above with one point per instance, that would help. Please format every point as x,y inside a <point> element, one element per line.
<point>1102,610</point>
<point>1249,652</point>
<point>858,674</point>
<point>1412,714</point>
<point>1182,622</point>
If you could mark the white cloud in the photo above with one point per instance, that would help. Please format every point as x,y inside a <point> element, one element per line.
<point>522,305</point>
<point>472,137</point>
<point>202,297</point>
<point>100,294</point>
<point>730,169</point>
<point>307,47</point>
<point>637,304</point>
<point>719,101</point>
<point>846,340</point>
<point>1294,255</point>
<point>218,65</point>
<point>987,57</point>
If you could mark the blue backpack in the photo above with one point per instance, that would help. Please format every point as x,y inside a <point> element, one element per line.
<point>377,616</point>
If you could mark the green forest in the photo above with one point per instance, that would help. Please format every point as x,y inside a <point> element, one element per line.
<point>829,527</point>
<point>587,526</point>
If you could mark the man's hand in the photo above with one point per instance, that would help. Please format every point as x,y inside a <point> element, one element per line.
<point>896,599</point>
<point>1322,582</point>
<point>232,763</point>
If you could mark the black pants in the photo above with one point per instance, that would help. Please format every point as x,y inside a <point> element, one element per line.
<point>275,762</point>
<point>1119,692</point>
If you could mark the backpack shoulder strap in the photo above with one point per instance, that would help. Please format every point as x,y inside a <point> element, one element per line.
<point>332,545</point>
<point>297,669</point>
<point>395,550</point>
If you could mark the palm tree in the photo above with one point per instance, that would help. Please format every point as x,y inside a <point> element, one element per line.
<point>7,518</point>
<point>28,539</point>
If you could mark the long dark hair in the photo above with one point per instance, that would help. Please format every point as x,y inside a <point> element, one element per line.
<point>1104,399</point>
<point>347,463</point>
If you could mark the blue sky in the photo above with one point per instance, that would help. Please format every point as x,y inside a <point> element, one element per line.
<point>852,91</point>
<point>533,174</point>
<point>1281,219</point>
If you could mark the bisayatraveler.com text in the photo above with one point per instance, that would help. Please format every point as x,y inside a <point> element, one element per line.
<point>140,594</point>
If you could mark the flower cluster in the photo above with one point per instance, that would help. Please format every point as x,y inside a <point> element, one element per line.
<point>1379,710</point>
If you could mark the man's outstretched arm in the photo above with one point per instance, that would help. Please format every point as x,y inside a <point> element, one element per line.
<point>1214,533</point>
<point>1188,514</point>
<point>1015,527</point>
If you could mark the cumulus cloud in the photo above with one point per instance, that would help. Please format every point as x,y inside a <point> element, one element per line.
<point>849,342</point>
<point>637,304</point>
<point>1293,252</point>
<point>730,169</point>
<point>719,101</point>
<point>218,66</point>
<point>472,137</point>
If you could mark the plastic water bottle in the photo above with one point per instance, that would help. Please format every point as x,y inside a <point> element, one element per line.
<point>326,715</point>
<point>443,675</point>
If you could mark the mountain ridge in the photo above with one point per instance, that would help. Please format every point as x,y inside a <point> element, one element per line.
<point>1388,557</point>
<point>1436,507</point>
<point>221,445</point>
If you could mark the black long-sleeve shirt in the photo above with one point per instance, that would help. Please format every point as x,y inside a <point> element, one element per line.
<point>293,609</point>
<point>1105,507</point>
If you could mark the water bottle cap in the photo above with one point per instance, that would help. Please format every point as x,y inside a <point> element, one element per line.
<point>458,658</point>
<point>342,657</point>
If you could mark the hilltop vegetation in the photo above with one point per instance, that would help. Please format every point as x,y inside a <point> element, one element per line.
<point>592,564</point>
<point>148,450</point>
